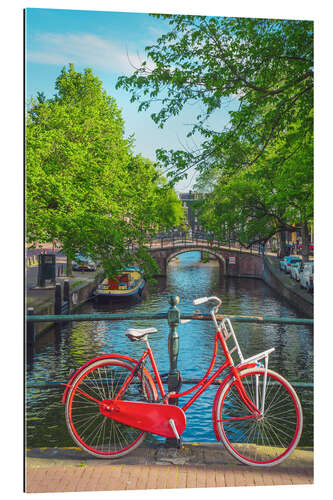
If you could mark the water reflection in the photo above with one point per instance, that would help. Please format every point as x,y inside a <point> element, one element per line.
<point>73,344</point>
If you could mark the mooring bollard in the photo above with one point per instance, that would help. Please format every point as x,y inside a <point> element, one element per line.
<point>174,377</point>
<point>40,279</point>
<point>57,299</point>
<point>30,328</point>
<point>66,295</point>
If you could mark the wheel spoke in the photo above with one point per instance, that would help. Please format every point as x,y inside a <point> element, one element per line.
<point>94,432</point>
<point>266,439</point>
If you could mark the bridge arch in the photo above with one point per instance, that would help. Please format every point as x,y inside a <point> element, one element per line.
<point>219,257</point>
<point>232,261</point>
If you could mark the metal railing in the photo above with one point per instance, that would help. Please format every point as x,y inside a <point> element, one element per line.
<point>65,318</point>
<point>200,239</point>
<point>174,318</point>
<point>173,377</point>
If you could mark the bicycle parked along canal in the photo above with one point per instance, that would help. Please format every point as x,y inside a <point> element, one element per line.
<point>112,401</point>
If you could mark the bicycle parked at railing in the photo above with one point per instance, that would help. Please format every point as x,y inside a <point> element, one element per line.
<point>112,401</point>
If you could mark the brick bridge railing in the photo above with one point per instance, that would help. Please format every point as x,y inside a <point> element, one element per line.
<point>233,260</point>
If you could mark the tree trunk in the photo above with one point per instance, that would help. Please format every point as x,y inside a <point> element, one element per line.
<point>282,242</point>
<point>305,241</point>
<point>69,267</point>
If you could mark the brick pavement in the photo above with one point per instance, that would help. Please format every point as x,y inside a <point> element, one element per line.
<point>138,477</point>
<point>72,471</point>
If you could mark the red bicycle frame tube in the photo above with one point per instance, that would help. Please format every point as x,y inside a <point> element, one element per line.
<point>105,357</point>
<point>130,376</point>
<point>204,382</point>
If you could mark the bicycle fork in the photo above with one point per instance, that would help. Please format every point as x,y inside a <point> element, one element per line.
<point>243,394</point>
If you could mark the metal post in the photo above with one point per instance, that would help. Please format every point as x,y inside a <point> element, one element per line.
<point>66,295</point>
<point>30,328</point>
<point>40,279</point>
<point>57,299</point>
<point>174,378</point>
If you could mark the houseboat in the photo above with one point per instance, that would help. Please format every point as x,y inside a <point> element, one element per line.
<point>128,283</point>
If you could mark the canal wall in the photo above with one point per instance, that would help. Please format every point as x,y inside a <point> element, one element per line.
<point>82,293</point>
<point>286,287</point>
<point>43,300</point>
<point>243,265</point>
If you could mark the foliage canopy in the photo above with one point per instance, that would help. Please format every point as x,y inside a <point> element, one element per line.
<point>265,152</point>
<point>85,188</point>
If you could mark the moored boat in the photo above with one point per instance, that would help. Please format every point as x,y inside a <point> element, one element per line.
<point>128,283</point>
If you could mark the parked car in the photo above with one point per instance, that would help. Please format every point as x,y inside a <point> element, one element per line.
<point>292,261</point>
<point>311,247</point>
<point>295,270</point>
<point>82,263</point>
<point>306,276</point>
<point>285,264</point>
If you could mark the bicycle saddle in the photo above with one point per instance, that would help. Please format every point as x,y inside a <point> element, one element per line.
<point>136,334</point>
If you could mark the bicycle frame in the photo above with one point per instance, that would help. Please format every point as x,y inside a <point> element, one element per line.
<point>253,434</point>
<point>204,382</point>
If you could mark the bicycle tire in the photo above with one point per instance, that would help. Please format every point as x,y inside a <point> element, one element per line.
<point>96,434</point>
<point>263,441</point>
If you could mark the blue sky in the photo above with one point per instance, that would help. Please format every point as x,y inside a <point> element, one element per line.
<point>110,43</point>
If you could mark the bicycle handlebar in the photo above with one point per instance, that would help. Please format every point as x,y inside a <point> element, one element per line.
<point>215,309</point>
<point>202,300</point>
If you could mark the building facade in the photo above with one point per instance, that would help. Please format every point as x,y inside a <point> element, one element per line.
<point>187,200</point>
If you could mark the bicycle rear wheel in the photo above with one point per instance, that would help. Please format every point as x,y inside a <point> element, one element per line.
<point>94,432</point>
<point>265,440</point>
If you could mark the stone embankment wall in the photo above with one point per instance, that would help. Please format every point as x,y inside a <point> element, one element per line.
<point>83,292</point>
<point>243,265</point>
<point>77,296</point>
<point>287,288</point>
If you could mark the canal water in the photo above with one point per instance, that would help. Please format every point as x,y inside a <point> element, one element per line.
<point>56,352</point>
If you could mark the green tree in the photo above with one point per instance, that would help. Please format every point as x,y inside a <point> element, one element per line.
<point>264,199</point>
<point>266,66</point>
<point>85,187</point>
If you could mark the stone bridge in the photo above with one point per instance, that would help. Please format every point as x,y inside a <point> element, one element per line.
<point>232,261</point>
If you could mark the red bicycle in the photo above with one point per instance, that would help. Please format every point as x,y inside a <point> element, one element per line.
<point>112,401</point>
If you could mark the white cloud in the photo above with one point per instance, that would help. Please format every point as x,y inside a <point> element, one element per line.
<point>156,32</point>
<point>83,49</point>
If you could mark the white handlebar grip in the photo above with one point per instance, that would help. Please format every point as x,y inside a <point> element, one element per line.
<point>202,300</point>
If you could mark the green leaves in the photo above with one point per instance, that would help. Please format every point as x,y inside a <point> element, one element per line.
<point>265,198</point>
<point>266,64</point>
<point>85,187</point>
<point>259,169</point>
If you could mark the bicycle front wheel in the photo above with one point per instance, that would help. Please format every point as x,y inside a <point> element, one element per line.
<point>268,439</point>
<point>94,432</point>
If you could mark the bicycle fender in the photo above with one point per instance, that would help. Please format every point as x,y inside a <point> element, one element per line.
<point>98,358</point>
<point>218,393</point>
